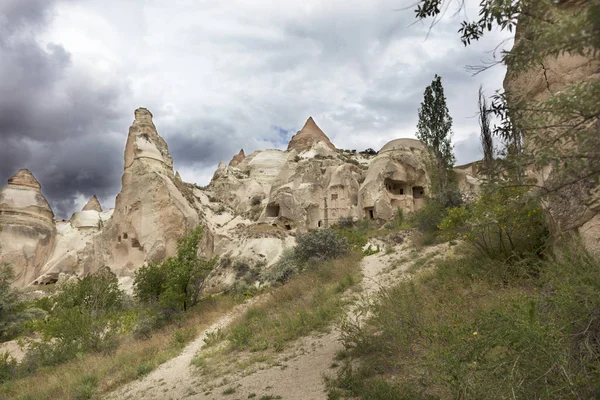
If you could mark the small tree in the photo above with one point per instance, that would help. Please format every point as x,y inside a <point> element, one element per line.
<point>8,303</point>
<point>177,281</point>
<point>435,130</point>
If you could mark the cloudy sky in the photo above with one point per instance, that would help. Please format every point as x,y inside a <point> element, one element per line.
<point>218,76</point>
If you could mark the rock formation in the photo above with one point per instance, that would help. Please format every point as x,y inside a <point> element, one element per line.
<point>238,158</point>
<point>92,205</point>
<point>250,210</point>
<point>575,208</point>
<point>151,212</point>
<point>397,178</point>
<point>28,227</point>
<point>308,136</point>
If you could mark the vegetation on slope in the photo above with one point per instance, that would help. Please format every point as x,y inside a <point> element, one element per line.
<point>507,318</point>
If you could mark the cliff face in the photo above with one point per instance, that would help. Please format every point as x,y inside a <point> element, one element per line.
<point>574,208</point>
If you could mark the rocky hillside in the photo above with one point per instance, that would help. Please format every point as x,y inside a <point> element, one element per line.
<point>251,209</point>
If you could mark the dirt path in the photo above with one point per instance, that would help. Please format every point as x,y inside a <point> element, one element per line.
<point>296,374</point>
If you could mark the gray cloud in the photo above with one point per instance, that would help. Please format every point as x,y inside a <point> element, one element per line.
<point>55,119</point>
<point>219,79</point>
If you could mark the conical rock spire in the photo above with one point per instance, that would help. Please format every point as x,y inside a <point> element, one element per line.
<point>309,135</point>
<point>92,205</point>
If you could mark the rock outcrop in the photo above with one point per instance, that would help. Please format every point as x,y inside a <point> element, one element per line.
<point>92,205</point>
<point>152,211</point>
<point>397,178</point>
<point>28,227</point>
<point>238,158</point>
<point>250,211</point>
<point>574,208</point>
<point>309,136</point>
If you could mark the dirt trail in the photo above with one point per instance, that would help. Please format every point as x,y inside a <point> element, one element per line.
<point>298,373</point>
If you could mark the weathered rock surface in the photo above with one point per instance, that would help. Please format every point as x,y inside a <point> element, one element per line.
<point>397,178</point>
<point>152,210</point>
<point>250,210</point>
<point>93,204</point>
<point>575,208</point>
<point>308,136</point>
<point>28,227</point>
<point>238,158</point>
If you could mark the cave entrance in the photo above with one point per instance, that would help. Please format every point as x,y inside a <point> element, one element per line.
<point>370,212</point>
<point>396,187</point>
<point>272,210</point>
<point>418,192</point>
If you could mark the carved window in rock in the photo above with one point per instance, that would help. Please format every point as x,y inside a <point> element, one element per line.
<point>396,187</point>
<point>334,196</point>
<point>272,210</point>
<point>418,192</point>
<point>125,235</point>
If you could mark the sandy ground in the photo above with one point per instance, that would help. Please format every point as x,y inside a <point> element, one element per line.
<point>296,374</point>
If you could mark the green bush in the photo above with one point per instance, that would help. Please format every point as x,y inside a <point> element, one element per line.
<point>8,367</point>
<point>85,316</point>
<point>321,244</point>
<point>285,268</point>
<point>177,281</point>
<point>504,224</point>
<point>14,314</point>
<point>428,217</point>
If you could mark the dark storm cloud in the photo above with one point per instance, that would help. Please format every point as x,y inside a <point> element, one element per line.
<point>203,142</point>
<point>54,118</point>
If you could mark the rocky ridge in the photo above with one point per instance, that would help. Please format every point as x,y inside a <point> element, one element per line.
<point>250,211</point>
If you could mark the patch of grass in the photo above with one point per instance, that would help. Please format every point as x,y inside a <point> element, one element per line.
<point>477,328</point>
<point>229,390</point>
<point>307,303</point>
<point>144,369</point>
<point>112,370</point>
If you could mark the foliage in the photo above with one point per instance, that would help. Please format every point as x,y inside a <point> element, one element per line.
<point>84,317</point>
<point>562,129</point>
<point>8,367</point>
<point>177,281</point>
<point>427,218</point>
<point>487,143</point>
<point>463,332</point>
<point>320,244</point>
<point>435,129</point>
<point>284,269</point>
<point>306,303</point>
<point>504,223</point>
<point>9,304</point>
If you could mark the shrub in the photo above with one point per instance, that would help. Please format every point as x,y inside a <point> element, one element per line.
<point>14,314</point>
<point>427,218</point>
<point>8,367</point>
<point>84,317</point>
<point>345,222</point>
<point>322,244</point>
<point>285,268</point>
<point>176,282</point>
<point>504,224</point>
